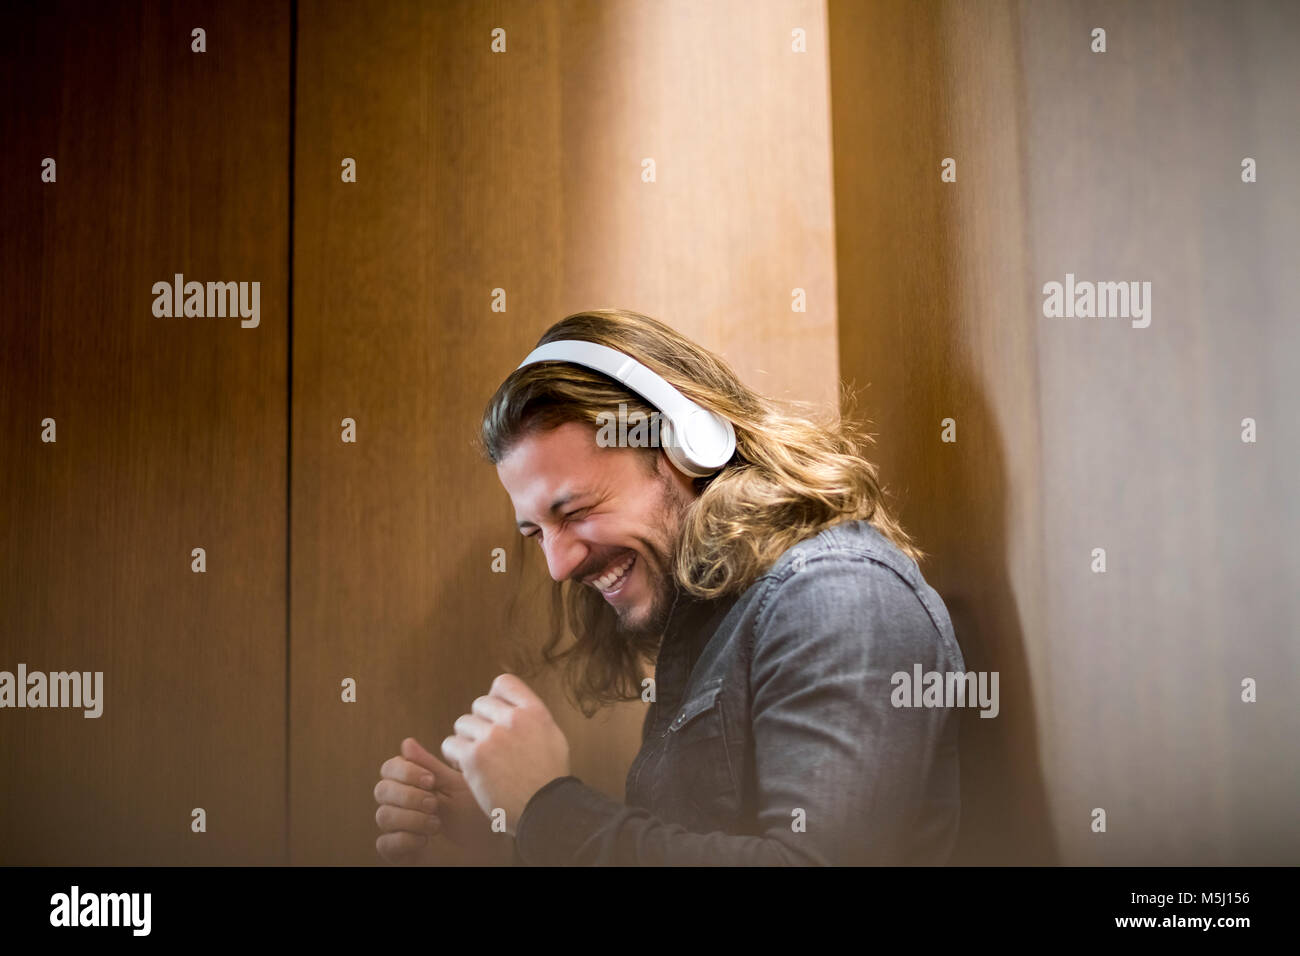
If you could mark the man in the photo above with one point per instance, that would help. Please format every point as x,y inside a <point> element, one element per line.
<point>751,560</point>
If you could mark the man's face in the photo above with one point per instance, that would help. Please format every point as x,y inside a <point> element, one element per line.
<point>603,518</point>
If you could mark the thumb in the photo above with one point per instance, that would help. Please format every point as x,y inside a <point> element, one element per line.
<point>443,775</point>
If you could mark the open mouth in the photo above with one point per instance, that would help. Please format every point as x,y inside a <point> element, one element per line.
<point>612,581</point>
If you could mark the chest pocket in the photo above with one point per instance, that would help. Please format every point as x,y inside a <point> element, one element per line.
<point>695,769</point>
<point>705,702</point>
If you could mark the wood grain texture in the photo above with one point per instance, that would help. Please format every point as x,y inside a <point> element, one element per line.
<point>521,171</point>
<point>518,171</point>
<point>170,432</point>
<point>931,277</point>
<point>1133,167</point>
<point>1121,690</point>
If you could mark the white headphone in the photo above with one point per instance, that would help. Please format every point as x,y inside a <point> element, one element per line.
<point>697,441</point>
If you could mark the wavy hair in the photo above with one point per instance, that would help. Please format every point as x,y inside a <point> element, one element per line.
<point>797,469</point>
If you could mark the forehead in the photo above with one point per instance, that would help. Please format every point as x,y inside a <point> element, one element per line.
<point>552,463</point>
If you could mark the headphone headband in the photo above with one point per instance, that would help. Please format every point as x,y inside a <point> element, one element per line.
<point>698,442</point>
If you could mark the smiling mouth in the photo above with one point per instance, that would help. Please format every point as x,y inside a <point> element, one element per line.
<point>613,579</point>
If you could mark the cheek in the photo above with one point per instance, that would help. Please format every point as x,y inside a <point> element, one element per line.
<point>653,570</point>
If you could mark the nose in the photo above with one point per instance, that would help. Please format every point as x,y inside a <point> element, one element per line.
<point>564,553</point>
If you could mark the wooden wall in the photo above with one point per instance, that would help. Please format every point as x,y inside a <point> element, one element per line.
<point>518,171</point>
<point>1120,690</point>
<point>476,171</point>
<point>522,171</point>
<point>170,432</point>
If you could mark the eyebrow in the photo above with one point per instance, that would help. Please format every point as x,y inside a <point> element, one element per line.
<point>556,505</point>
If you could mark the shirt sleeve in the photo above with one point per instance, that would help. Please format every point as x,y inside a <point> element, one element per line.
<point>843,776</point>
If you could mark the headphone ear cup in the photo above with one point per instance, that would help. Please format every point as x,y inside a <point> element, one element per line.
<point>668,442</point>
<point>711,440</point>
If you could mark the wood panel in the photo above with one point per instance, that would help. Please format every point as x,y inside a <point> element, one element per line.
<point>1142,449</point>
<point>932,280</point>
<point>170,431</point>
<point>520,171</point>
<point>1118,690</point>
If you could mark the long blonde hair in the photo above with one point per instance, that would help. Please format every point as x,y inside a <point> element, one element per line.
<point>797,470</point>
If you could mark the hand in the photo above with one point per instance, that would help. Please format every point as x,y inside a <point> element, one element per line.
<point>508,748</point>
<point>408,810</point>
<point>410,823</point>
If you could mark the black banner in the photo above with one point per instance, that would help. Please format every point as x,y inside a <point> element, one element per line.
<point>383,904</point>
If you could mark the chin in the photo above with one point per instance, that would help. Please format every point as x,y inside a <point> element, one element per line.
<point>647,616</point>
<point>633,620</point>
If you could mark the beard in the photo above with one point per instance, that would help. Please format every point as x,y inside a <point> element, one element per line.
<point>664,593</point>
<point>664,590</point>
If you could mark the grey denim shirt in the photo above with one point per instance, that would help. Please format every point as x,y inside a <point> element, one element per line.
<point>774,738</point>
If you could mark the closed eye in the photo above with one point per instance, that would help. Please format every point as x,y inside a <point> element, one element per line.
<point>577,514</point>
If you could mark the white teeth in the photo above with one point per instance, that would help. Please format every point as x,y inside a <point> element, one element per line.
<point>612,576</point>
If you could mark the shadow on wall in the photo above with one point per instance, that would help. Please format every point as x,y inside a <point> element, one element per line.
<point>1005,816</point>
<point>958,516</point>
<point>958,494</point>
<point>928,273</point>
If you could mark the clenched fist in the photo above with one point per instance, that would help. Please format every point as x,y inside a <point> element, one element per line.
<point>507,748</point>
<point>419,797</point>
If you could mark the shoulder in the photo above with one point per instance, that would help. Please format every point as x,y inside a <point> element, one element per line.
<point>849,542</point>
<point>850,577</point>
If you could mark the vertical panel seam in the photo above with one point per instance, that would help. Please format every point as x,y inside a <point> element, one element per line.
<point>288,436</point>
